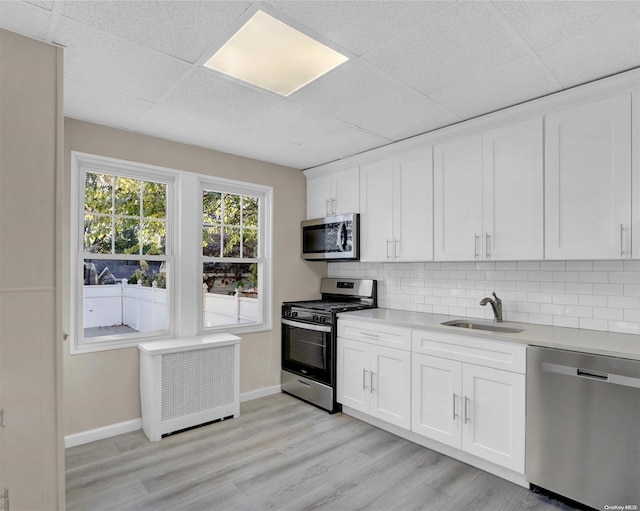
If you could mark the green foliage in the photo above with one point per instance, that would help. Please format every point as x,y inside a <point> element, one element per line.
<point>230,225</point>
<point>124,215</point>
<point>143,276</point>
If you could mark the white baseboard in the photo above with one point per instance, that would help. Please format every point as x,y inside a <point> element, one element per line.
<point>92,435</point>
<point>263,392</point>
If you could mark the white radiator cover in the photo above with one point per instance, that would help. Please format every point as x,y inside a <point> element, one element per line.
<point>187,382</point>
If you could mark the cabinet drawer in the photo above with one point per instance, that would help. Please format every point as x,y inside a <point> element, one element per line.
<point>375,333</point>
<point>474,350</point>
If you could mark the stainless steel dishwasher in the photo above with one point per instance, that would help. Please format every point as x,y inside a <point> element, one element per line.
<point>583,427</point>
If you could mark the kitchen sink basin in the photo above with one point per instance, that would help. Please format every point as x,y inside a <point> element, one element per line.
<point>461,323</point>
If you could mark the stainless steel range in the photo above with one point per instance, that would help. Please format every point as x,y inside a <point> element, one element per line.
<point>309,331</point>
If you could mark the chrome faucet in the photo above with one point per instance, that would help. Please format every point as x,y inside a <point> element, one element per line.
<point>496,305</point>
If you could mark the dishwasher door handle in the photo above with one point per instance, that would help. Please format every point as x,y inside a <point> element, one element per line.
<point>576,372</point>
<point>592,374</point>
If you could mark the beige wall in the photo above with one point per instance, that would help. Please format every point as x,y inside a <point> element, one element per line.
<point>102,388</point>
<point>31,458</point>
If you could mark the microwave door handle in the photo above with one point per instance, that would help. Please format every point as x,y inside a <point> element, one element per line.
<point>342,237</point>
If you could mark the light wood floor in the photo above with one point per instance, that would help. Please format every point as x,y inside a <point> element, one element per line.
<point>282,454</point>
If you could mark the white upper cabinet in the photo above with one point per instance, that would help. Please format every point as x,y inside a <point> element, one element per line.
<point>334,194</point>
<point>635,159</point>
<point>488,195</point>
<point>588,181</point>
<point>512,191</point>
<point>396,208</point>
<point>457,200</point>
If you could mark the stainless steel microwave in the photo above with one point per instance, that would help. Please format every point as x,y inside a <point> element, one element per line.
<point>332,238</point>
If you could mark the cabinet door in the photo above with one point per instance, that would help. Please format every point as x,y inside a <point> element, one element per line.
<point>635,158</point>
<point>391,385</point>
<point>493,415</point>
<point>457,199</point>
<point>513,192</point>
<point>588,181</point>
<point>319,197</point>
<point>436,398</point>
<point>346,191</point>
<point>376,220</point>
<point>413,206</point>
<point>354,375</point>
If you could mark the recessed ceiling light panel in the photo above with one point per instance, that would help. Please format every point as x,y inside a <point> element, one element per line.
<point>272,55</point>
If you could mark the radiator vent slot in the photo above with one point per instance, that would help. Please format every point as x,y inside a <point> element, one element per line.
<point>194,381</point>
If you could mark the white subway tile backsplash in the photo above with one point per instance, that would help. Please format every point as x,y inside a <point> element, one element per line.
<point>579,265</point>
<point>598,295</point>
<point>552,287</point>
<point>552,265</point>
<point>633,266</point>
<point>609,314</point>
<point>608,265</point>
<point>594,324</point>
<point>579,288</point>
<point>608,289</point>
<point>566,321</point>
<point>624,277</point>
<point>566,276</point>
<point>624,302</point>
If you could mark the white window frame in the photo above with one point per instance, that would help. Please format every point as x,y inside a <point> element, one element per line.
<point>265,215</point>
<point>183,250</point>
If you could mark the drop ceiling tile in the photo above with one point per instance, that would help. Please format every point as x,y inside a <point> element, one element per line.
<point>294,123</point>
<point>411,120</point>
<point>499,88</point>
<point>100,61</point>
<point>610,50</point>
<point>543,24</point>
<point>45,4</point>
<point>354,90</point>
<point>344,143</point>
<point>25,19</point>
<point>185,30</point>
<point>359,26</point>
<point>194,130</point>
<point>449,47</point>
<point>102,106</point>
<point>206,93</point>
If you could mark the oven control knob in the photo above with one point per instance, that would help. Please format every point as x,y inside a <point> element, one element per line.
<point>294,314</point>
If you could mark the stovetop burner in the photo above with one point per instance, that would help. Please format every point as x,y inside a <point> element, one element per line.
<point>327,305</point>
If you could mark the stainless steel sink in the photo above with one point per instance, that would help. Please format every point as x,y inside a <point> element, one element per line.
<point>461,323</point>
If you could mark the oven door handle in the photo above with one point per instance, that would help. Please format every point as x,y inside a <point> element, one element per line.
<point>307,326</point>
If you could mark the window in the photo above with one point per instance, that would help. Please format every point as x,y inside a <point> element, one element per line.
<point>139,238</point>
<point>233,257</point>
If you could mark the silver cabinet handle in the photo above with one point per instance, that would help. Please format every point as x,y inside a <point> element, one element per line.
<point>388,242</point>
<point>395,248</point>
<point>364,375</point>
<point>367,334</point>
<point>466,409</point>
<point>333,206</point>
<point>372,389</point>
<point>487,245</point>
<point>326,207</point>
<point>475,246</point>
<point>454,406</point>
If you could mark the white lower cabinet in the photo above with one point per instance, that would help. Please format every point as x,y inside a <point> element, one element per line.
<point>478,409</point>
<point>375,380</point>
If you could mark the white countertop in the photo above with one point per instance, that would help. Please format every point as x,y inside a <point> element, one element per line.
<point>188,343</point>
<point>573,339</point>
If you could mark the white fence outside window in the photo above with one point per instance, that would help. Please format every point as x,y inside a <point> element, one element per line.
<point>145,308</point>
